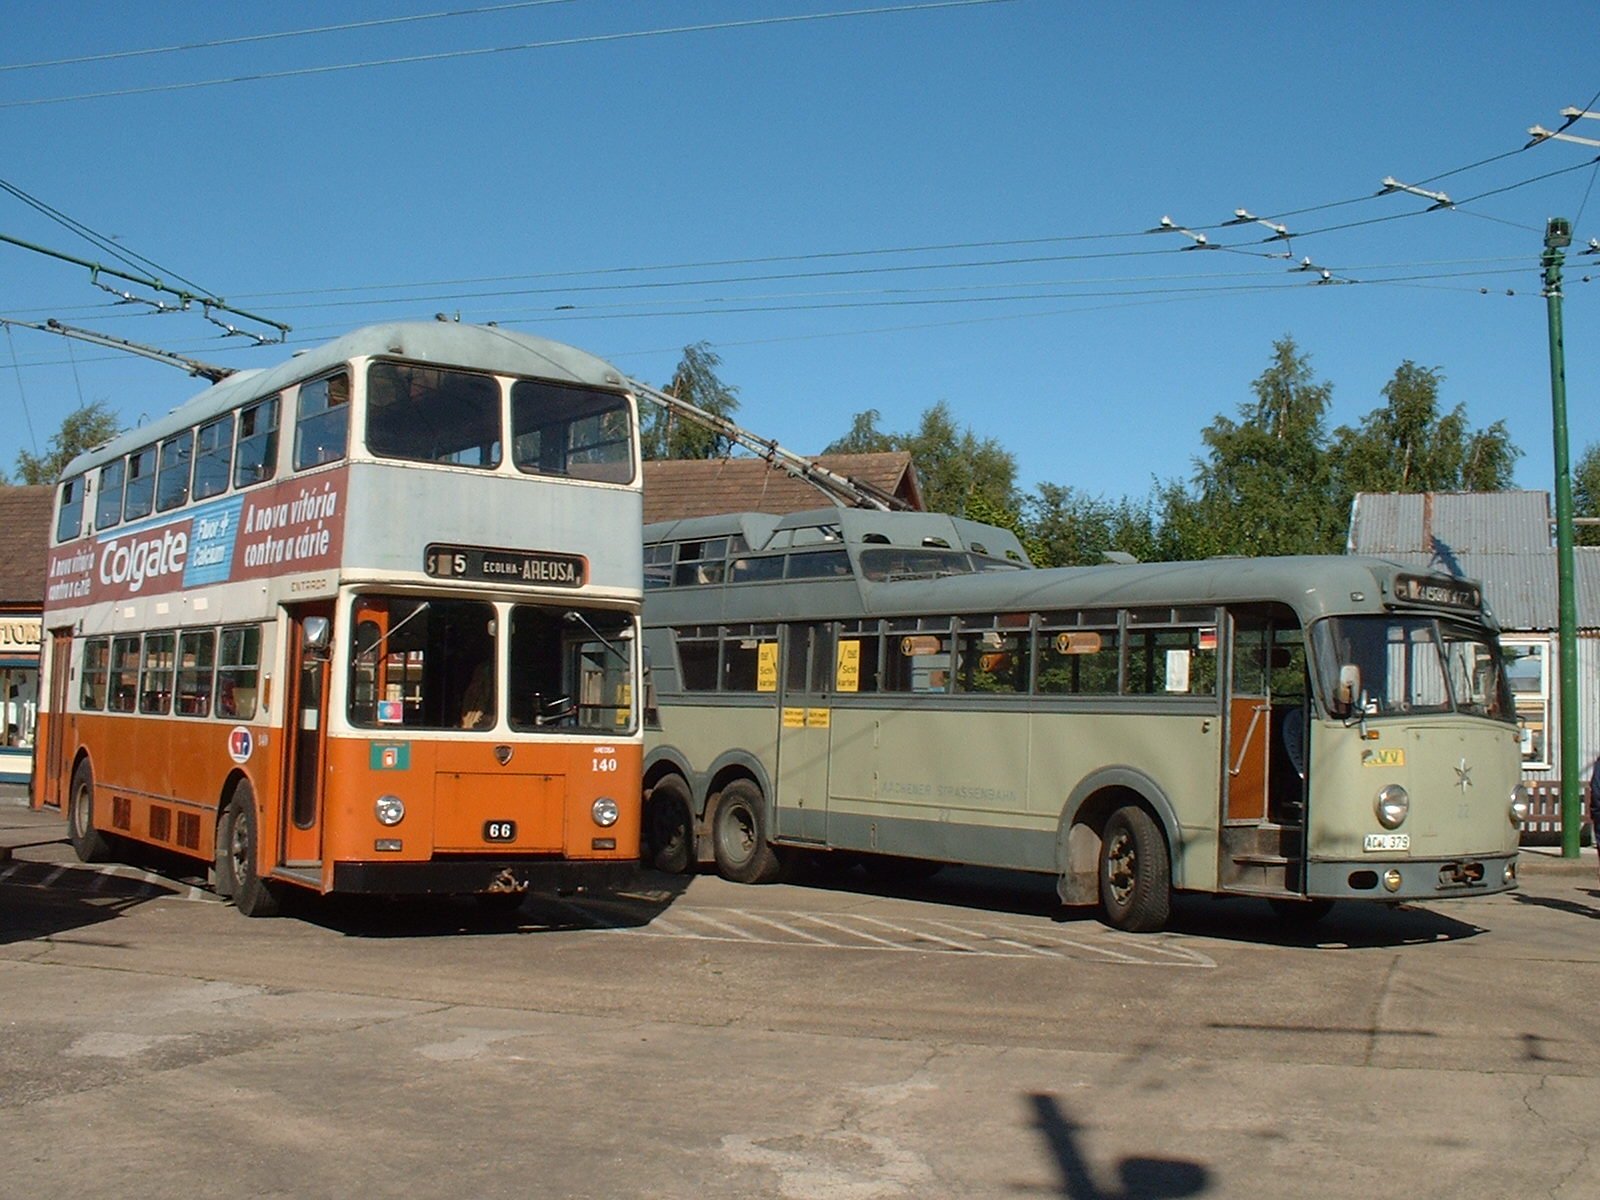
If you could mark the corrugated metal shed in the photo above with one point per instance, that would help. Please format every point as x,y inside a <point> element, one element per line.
<point>1501,539</point>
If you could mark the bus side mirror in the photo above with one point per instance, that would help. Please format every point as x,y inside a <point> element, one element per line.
<point>314,634</point>
<point>1349,687</point>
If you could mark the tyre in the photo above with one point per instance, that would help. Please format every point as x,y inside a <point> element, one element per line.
<point>88,843</point>
<point>668,843</point>
<point>252,895</point>
<point>739,835</point>
<point>1301,912</point>
<point>1135,872</point>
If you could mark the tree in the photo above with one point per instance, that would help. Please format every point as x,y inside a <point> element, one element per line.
<point>1586,494</point>
<point>1064,527</point>
<point>84,428</point>
<point>666,435</point>
<point>1408,446</point>
<point>958,469</point>
<point>1265,486</point>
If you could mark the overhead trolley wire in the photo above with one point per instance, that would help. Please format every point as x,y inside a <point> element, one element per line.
<point>246,39</point>
<point>554,43</point>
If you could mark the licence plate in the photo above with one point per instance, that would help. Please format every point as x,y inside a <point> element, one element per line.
<point>1386,841</point>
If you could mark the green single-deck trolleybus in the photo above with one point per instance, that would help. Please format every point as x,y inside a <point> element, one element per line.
<point>905,690</point>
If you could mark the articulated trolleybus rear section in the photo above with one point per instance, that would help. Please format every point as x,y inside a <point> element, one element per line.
<point>363,622</point>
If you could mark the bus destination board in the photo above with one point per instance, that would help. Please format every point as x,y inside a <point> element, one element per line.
<point>488,565</point>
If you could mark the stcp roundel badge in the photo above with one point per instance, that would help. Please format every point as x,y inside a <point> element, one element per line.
<point>240,743</point>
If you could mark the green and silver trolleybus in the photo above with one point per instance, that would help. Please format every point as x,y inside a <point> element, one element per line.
<point>904,688</point>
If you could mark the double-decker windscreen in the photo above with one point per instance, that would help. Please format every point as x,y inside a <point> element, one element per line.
<point>1402,665</point>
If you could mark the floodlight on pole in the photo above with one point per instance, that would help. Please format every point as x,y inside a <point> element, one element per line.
<point>1391,184</point>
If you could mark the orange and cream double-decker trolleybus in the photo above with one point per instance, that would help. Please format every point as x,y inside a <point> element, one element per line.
<point>362,622</point>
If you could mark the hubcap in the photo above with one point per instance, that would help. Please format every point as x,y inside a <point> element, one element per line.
<point>1121,866</point>
<point>740,837</point>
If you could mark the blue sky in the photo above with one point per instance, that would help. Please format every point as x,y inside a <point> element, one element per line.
<point>612,192</point>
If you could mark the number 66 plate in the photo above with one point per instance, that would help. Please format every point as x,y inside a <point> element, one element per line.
<point>499,831</point>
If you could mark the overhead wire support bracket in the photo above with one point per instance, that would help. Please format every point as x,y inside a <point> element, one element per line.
<point>1167,225</point>
<point>1243,216</point>
<point>1391,184</point>
<point>185,298</point>
<point>1540,134</point>
<point>840,489</point>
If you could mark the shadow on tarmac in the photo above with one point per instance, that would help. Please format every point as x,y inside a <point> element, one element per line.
<point>40,900</point>
<point>1566,906</point>
<point>453,916</point>
<point>1350,925</point>
<point>1139,1178</point>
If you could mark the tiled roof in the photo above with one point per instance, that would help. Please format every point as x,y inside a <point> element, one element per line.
<point>24,536</point>
<point>679,488</point>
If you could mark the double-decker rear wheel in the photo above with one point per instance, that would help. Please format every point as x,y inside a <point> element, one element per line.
<point>88,843</point>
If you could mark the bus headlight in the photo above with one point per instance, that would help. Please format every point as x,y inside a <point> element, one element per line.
<point>1521,804</point>
<point>605,812</point>
<point>1393,805</point>
<point>391,810</point>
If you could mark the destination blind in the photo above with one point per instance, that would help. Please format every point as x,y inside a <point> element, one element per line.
<point>539,568</point>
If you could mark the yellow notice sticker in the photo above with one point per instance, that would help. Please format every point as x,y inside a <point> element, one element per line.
<point>817,718</point>
<point>1383,758</point>
<point>794,718</point>
<point>767,667</point>
<point>848,676</point>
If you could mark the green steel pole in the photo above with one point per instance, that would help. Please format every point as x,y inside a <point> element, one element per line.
<point>1557,237</point>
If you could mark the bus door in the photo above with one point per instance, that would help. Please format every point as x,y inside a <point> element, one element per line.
<point>1264,781</point>
<point>55,773</point>
<point>1249,718</point>
<point>804,729</point>
<point>306,734</point>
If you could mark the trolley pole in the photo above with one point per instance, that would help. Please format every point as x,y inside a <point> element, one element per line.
<point>1557,237</point>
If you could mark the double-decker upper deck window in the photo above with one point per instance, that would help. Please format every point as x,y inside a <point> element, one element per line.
<point>69,523</point>
<point>213,457</point>
<point>576,432</point>
<point>428,414</point>
<point>256,459</point>
<point>140,492</point>
<point>172,480</point>
<point>108,498</point>
<point>322,422</point>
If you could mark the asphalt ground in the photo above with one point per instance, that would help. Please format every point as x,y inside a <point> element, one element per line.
<point>842,1039</point>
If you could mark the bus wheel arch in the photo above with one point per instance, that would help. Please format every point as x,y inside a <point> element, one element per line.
<point>1081,852</point>
<point>740,827</point>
